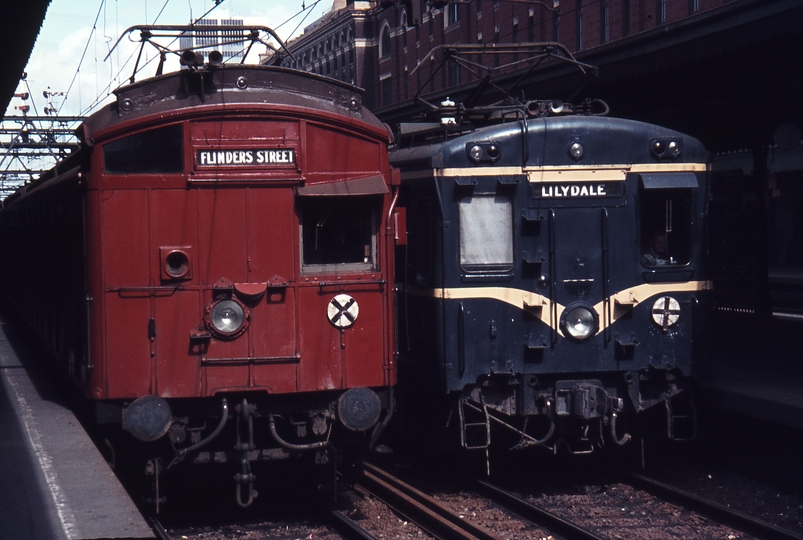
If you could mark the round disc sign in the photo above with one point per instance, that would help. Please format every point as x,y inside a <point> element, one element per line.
<point>665,311</point>
<point>342,311</point>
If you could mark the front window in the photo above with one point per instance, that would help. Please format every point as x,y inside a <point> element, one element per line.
<point>486,233</point>
<point>337,233</point>
<point>666,227</point>
<point>150,152</point>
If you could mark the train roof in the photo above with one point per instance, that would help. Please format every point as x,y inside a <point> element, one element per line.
<point>548,138</point>
<point>228,84</point>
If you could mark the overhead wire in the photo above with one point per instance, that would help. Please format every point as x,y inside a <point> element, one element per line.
<point>106,91</point>
<point>83,55</point>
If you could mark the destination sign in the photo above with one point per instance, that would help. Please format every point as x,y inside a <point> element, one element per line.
<point>575,190</point>
<point>246,157</point>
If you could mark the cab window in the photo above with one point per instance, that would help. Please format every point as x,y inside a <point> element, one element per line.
<point>486,233</point>
<point>666,227</point>
<point>150,152</point>
<point>337,233</point>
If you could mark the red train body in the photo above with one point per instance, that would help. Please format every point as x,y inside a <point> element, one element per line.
<point>222,238</point>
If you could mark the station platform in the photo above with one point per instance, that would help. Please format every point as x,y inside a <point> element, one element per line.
<point>755,370</point>
<point>757,394</point>
<point>54,483</point>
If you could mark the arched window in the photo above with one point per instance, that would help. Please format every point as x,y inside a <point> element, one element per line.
<point>404,28</point>
<point>384,46</point>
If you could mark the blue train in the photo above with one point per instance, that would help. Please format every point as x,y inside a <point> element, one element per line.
<point>552,276</point>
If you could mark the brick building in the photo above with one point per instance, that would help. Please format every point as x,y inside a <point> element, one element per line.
<point>378,45</point>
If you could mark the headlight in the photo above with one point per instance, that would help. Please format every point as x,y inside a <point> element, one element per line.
<point>579,322</point>
<point>227,317</point>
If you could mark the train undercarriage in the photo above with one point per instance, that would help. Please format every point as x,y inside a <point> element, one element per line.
<point>579,415</point>
<point>243,431</point>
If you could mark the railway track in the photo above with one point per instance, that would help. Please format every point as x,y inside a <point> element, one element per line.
<point>423,509</point>
<point>638,504</point>
<point>381,505</point>
<point>712,510</point>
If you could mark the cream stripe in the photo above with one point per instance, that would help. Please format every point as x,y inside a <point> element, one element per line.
<point>479,171</point>
<point>542,307</point>
<point>555,172</point>
<point>577,175</point>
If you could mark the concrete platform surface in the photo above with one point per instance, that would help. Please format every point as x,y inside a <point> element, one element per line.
<point>54,484</point>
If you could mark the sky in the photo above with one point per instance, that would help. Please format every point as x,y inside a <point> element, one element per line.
<point>89,28</point>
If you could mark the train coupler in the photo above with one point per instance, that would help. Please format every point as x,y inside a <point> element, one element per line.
<point>245,479</point>
<point>245,414</point>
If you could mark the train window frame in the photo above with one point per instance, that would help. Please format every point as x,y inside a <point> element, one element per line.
<point>315,211</point>
<point>676,205</point>
<point>153,151</point>
<point>480,229</point>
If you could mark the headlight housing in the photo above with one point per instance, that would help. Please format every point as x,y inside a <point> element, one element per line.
<point>579,321</point>
<point>227,318</point>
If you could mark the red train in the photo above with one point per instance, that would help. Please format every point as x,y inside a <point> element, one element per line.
<point>213,267</point>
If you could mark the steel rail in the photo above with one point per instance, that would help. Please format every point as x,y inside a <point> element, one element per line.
<point>712,510</point>
<point>347,527</point>
<point>420,508</point>
<point>158,530</point>
<point>539,516</point>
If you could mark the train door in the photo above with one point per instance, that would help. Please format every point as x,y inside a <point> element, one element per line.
<point>573,242</point>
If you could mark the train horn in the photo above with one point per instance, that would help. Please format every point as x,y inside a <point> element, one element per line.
<point>191,58</point>
<point>215,58</point>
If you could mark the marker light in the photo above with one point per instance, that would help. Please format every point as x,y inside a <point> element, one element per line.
<point>576,150</point>
<point>483,152</point>
<point>666,148</point>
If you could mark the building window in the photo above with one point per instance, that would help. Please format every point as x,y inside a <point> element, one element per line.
<point>387,92</point>
<point>404,30</point>
<point>694,6</point>
<point>496,40</point>
<point>625,17</point>
<point>661,15</point>
<point>454,73</point>
<point>579,20</point>
<point>454,13</point>
<point>384,46</point>
<point>604,17</point>
<point>556,27</point>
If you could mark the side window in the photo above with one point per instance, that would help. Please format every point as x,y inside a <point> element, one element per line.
<point>150,152</point>
<point>337,233</point>
<point>486,233</point>
<point>420,242</point>
<point>666,227</point>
